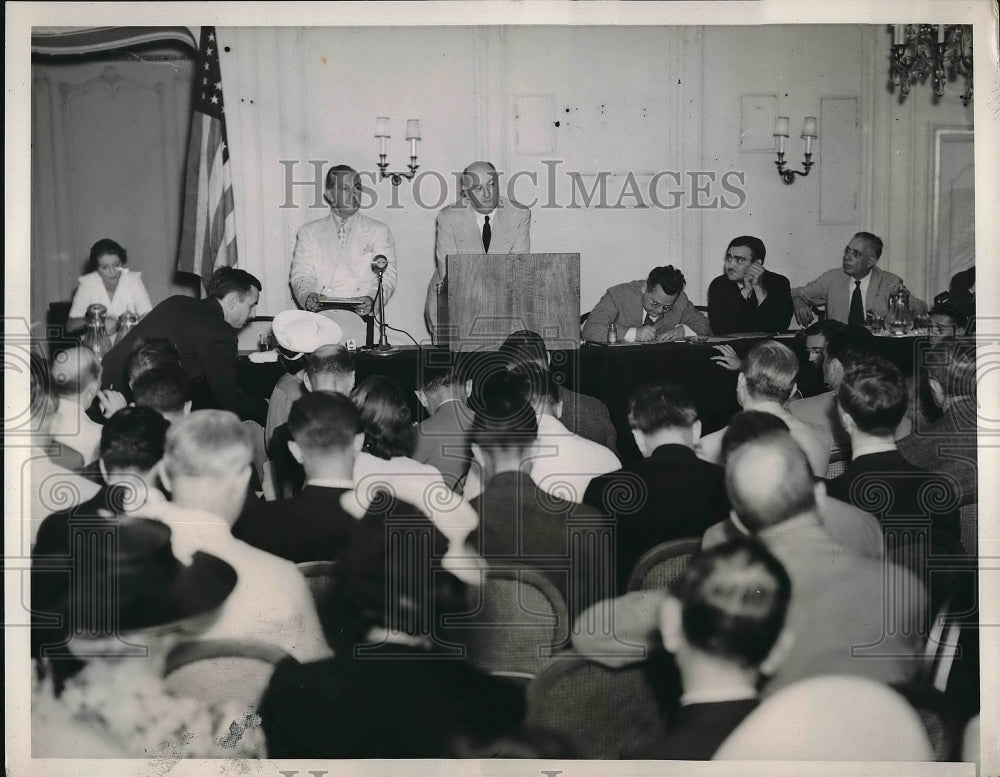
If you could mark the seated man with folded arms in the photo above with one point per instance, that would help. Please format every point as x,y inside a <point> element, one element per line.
<point>582,414</point>
<point>850,613</point>
<point>443,437</point>
<point>746,297</point>
<point>844,347</point>
<point>670,493</point>
<point>653,310</point>
<point>724,623</point>
<point>852,289</point>
<point>766,383</point>
<point>326,435</point>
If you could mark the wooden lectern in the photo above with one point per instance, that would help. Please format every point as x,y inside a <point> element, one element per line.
<point>486,297</point>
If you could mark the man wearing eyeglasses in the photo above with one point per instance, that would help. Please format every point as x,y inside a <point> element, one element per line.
<point>653,310</point>
<point>481,222</point>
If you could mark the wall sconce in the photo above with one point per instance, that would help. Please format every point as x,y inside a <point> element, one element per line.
<point>921,50</point>
<point>809,134</point>
<point>412,135</point>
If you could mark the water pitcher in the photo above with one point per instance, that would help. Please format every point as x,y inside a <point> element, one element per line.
<point>899,319</point>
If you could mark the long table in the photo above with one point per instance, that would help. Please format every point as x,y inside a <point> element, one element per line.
<point>610,373</point>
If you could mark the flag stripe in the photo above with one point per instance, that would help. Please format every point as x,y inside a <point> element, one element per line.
<point>208,233</point>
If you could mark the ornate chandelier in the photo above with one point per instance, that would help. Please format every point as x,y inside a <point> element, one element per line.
<point>943,51</point>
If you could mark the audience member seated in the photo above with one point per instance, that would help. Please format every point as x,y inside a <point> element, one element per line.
<point>845,347</point>
<point>328,368</point>
<point>50,484</point>
<point>871,400</point>
<point>298,333</point>
<point>206,469</point>
<point>131,446</point>
<point>392,689</point>
<point>517,520</point>
<point>850,614</point>
<point>654,310</point>
<point>312,526</point>
<point>582,414</point>
<point>766,383</point>
<point>76,383</point>
<point>443,437</point>
<point>810,381</point>
<point>961,293</point>
<point>855,529</point>
<point>562,463</point>
<point>150,352</point>
<point>948,445</point>
<point>854,288</point>
<point>746,297</point>
<point>108,282</point>
<point>166,390</point>
<point>98,689</point>
<point>724,622</point>
<point>670,493</point>
<point>204,333</point>
<point>947,321</point>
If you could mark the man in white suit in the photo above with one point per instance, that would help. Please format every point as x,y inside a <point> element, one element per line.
<point>333,255</point>
<point>481,222</point>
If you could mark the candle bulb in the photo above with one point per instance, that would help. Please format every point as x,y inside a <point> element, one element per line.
<point>413,134</point>
<point>382,133</point>
<point>940,33</point>
<point>897,34</point>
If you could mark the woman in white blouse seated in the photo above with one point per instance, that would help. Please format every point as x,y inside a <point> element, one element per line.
<point>109,283</point>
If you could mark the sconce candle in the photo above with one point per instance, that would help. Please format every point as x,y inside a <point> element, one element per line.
<point>382,132</point>
<point>413,134</point>
<point>809,132</point>
<point>781,132</point>
<point>898,34</point>
<point>940,33</point>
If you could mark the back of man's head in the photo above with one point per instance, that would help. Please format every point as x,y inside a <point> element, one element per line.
<point>769,370</point>
<point>331,368</point>
<point>324,423</point>
<point>166,389</point>
<point>524,347</point>
<point>873,394</point>
<point>133,440</point>
<point>73,372</point>
<point>447,379</point>
<point>231,280</point>
<point>734,599</point>
<point>654,408</point>
<point>952,366</point>
<point>536,386</point>
<point>150,352</point>
<point>850,345</point>
<point>769,481</point>
<point>746,426</point>
<point>824,328</point>
<point>505,420</point>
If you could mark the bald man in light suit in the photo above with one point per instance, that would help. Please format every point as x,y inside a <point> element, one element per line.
<point>461,227</point>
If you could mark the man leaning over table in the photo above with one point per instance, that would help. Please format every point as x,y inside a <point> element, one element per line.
<point>333,255</point>
<point>653,310</point>
<point>855,287</point>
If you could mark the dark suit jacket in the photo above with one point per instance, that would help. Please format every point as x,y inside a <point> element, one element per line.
<point>312,526</point>
<point>443,441</point>
<point>521,523</point>
<point>729,312</point>
<point>697,730</point>
<point>948,445</point>
<point>385,706</point>
<point>588,417</point>
<point>622,305</point>
<point>670,495</point>
<point>207,346</point>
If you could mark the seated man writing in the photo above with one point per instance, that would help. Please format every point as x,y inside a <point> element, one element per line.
<point>653,310</point>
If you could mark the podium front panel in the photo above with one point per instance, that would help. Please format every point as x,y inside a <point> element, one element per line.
<point>490,296</point>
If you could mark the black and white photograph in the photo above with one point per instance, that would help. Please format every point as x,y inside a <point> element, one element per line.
<point>544,387</point>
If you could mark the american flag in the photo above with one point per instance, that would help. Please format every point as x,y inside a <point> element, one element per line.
<point>208,232</point>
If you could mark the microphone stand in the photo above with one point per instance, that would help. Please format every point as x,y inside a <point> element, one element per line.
<point>383,348</point>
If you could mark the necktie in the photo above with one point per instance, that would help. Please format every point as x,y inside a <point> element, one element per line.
<point>342,232</point>
<point>650,321</point>
<point>487,234</point>
<point>753,298</point>
<point>857,315</point>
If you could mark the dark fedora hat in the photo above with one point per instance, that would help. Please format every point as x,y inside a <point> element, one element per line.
<point>122,577</point>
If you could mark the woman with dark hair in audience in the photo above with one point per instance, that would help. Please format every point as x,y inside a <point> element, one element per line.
<point>108,282</point>
<point>100,644</point>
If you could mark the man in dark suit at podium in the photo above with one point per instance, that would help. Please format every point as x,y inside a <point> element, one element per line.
<point>481,222</point>
<point>746,297</point>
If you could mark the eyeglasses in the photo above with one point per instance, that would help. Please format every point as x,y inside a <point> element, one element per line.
<point>652,304</point>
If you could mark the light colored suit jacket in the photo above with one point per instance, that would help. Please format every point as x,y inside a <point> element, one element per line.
<point>622,305</point>
<point>457,232</point>
<point>321,265</point>
<point>833,289</point>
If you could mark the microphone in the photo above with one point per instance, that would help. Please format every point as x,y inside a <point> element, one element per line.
<point>379,263</point>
